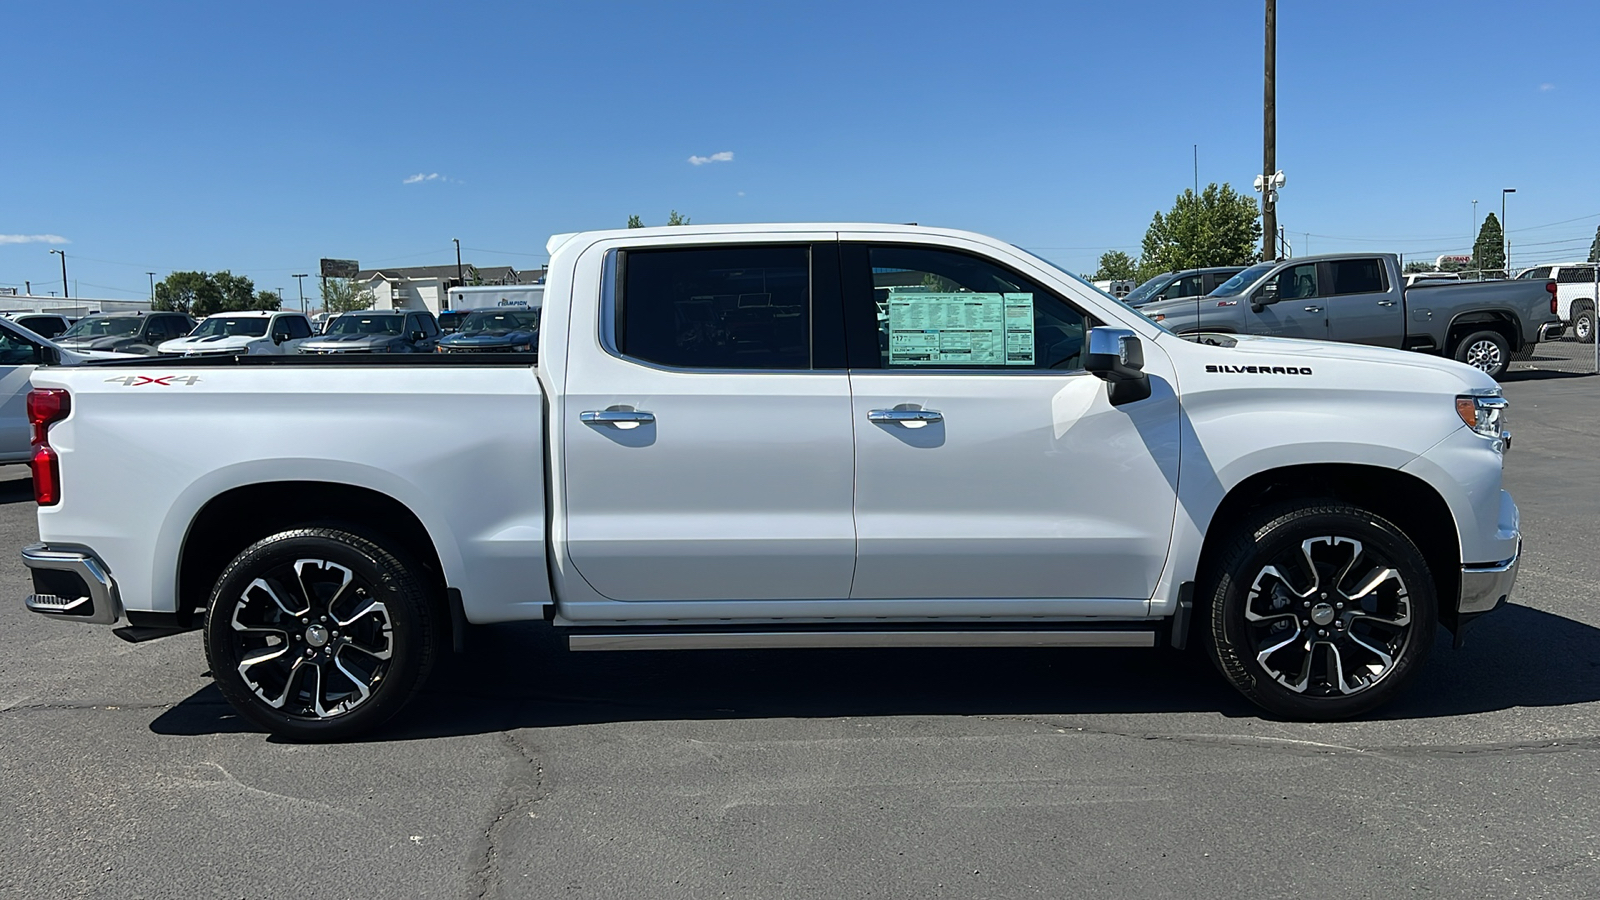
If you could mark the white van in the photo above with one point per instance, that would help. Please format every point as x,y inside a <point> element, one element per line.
<point>1575,295</point>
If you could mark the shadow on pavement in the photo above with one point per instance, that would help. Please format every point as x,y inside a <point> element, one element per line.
<point>1541,374</point>
<point>521,676</point>
<point>16,490</point>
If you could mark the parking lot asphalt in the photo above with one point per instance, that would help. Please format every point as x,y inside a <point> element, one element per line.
<point>526,771</point>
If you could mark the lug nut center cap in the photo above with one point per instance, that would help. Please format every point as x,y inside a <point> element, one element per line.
<point>1321,614</point>
<point>317,635</point>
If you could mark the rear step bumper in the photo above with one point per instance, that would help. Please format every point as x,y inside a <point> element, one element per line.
<point>71,584</point>
<point>773,639</point>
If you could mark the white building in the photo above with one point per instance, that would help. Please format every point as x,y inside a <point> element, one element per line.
<point>72,308</point>
<point>427,287</point>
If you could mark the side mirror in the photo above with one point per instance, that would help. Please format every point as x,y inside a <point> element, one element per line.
<point>1117,357</point>
<point>418,336</point>
<point>1264,297</point>
<point>279,337</point>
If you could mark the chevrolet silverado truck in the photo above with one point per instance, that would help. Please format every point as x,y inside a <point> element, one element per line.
<point>782,436</point>
<point>1362,299</point>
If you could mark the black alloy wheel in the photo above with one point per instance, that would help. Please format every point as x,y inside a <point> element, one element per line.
<point>1321,612</point>
<point>319,634</point>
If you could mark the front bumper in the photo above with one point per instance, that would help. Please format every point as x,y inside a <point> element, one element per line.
<point>1486,587</point>
<point>1549,331</point>
<point>71,583</point>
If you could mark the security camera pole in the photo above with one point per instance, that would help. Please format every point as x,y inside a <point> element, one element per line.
<point>1269,136</point>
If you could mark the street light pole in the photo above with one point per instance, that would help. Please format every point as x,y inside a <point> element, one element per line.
<point>459,279</point>
<point>299,280</point>
<point>152,288</point>
<point>1505,236</point>
<point>63,255</point>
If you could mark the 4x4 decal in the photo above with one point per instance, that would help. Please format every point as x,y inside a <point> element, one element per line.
<point>164,380</point>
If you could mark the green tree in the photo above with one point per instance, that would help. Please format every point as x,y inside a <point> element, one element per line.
<point>340,295</point>
<point>184,291</point>
<point>673,218</point>
<point>1489,250</point>
<point>1115,266</point>
<point>1594,248</point>
<point>1220,227</point>
<point>231,293</point>
<point>268,300</point>
<point>1416,266</point>
<point>635,222</point>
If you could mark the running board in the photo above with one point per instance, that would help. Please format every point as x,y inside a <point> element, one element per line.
<point>787,640</point>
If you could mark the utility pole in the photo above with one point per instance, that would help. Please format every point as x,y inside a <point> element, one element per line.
<point>300,280</point>
<point>1505,236</point>
<point>1269,136</point>
<point>152,289</point>
<point>63,254</point>
<point>459,279</point>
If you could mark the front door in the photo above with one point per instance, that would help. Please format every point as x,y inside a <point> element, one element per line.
<point>708,456</point>
<point>990,465</point>
<point>1291,305</point>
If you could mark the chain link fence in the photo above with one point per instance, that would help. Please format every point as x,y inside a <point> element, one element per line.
<point>1565,356</point>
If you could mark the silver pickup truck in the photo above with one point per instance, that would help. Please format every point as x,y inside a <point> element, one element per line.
<point>1361,299</point>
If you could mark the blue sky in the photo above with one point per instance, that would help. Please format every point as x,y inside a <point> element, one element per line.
<point>261,137</point>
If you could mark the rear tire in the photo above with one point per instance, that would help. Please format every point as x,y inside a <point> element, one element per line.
<point>320,634</point>
<point>1487,351</point>
<point>1583,323</point>
<point>1320,612</point>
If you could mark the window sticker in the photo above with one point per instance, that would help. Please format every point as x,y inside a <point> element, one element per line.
<point>960,329</point>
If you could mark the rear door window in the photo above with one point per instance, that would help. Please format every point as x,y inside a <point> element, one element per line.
<point>1355,276</point>
<point>728,307</point>
<point>1575,275</point>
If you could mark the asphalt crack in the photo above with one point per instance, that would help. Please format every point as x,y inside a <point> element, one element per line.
<point>524,787</point>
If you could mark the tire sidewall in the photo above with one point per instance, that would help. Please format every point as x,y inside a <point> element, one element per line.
<point>1500,343</point>
<point>1230,644</point>
<point>393,583</point>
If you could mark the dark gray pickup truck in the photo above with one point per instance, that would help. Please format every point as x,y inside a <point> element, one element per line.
<point>1361,299</point>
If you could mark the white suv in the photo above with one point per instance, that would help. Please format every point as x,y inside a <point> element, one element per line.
<point>252,332</point>
<point>1575,295</point>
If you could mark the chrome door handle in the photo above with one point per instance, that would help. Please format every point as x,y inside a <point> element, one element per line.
<point>1313,309</point>
<point>903,416</point>
<point>616,417</point>
<point>1385,302</point>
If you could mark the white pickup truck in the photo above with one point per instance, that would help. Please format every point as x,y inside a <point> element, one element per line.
<point>783,436</point>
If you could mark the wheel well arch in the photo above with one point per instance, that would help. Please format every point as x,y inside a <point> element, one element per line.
<point>1501,322</point>
<point>1405,500</point>
<point>237,518</point>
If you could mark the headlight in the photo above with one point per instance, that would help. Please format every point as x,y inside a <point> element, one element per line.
<point>521,348</point>
<point>1156,317</point>
<point>1485,414</point>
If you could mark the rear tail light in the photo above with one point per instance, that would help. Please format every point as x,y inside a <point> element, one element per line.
<point>45,407</point>
<point>1551,287</point>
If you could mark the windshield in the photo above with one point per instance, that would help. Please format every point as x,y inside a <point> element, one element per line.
<point>367,325</point>
<point>104,328</point>
<point>1148,289</point>
<point>499,322</point>
<point>231,326</point>
<point>1236,285</point>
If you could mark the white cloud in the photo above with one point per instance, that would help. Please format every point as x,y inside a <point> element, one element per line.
<point>724,156</point>
<point>33,239</point>
<point>413,179</point>
<point>1547,86</point>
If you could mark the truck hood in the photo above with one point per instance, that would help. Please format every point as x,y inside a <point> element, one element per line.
<point>104,343</point>
<point>349,343</point>
<point>209,344</point>
<point>1249,348</point>
<point>490,339</point>
<point>1186,305</point>
<point>71,357</point>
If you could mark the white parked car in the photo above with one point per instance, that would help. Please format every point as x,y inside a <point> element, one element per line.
<point>248,333</point>
<point>1575,295</point>
<point>724,444</point>
<point>21,351</point>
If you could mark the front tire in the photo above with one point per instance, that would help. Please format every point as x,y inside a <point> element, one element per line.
<point>1321,612</point>
<point>1487,351</point>
<point>320,634</point>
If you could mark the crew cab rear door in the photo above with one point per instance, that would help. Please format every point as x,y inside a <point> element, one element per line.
<point>1363,305</point>
<point>989,465</point>
<point>707,442</point>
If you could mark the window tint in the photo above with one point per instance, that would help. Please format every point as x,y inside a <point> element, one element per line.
<point>1575,275</point>
<point>297,327</point>
<point>156,329</point>
<point>1357,276</point>
<point>1540,273</point>
<point>430,327</point>
<point>1295,282</point>
<point>44,326</point>
<point>1185,286</point>
<point>716,307</point>
<point>942,309</point>
<point>15,350</point>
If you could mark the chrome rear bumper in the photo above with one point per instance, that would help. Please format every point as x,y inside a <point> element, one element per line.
<point>71,583</point>
<point>1551,330</point>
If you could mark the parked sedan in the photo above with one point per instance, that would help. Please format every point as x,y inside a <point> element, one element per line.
<point>494,331</point>
<point>377,332</point>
